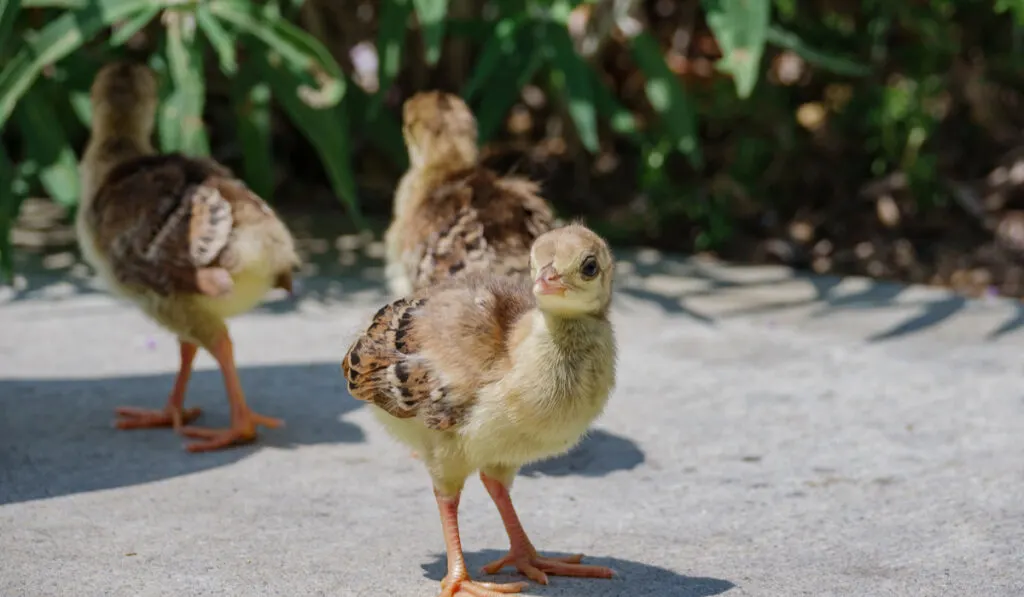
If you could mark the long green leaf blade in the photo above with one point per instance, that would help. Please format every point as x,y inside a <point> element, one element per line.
<point>741,30</point>
<point>46,144</point>
<point>12,193</point>
<point>667,96</point>
<point>69,4</point>
<point>63,35</point>
<point>296,47</point>
<point>502,93</point>
<point>391,34</point>
<point>573,74</point>
<point>501,44</point>
<point>132,26</point>
<point>431,15</point>
<point>837,64</point>
<point>223,43</point>
<point>327,129</point>
<point>380,127</point>
<point>252,111</point>
<point>619,118</point>
<point>8,13</point>
<point>185,65</point>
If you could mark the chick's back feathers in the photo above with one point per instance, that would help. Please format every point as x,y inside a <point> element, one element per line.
<point>163,219</point>
<point>475,220</point>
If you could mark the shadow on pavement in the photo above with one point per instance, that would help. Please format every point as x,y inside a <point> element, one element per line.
<point>633,579</point>
<point>57,438</point>
<point>599,454</point>
<point>708,282</point>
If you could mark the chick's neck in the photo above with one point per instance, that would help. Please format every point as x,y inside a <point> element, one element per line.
<point>112,141</point>
<point>568,332</point>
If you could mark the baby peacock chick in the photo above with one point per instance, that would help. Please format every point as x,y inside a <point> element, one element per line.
<point>480,373</point>
<point>451,214</point>
<point>180,237</point>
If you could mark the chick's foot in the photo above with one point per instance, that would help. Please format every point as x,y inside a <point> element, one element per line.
<point>522,554</point>
<point>466,587</point>
<point>129,417</point>
<point>241,432</point>
<point>536,567</point>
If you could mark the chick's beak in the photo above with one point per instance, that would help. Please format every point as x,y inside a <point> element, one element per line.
<point>549,282</point>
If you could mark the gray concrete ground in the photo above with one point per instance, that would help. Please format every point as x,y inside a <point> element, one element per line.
<point>771,434</point>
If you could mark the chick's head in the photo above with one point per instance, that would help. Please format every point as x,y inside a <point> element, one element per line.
<point>572,269</point>
<point>439,128</point>
<point>124,96</point>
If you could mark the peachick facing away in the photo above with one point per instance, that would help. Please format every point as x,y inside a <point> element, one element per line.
<point>485,373</point>
<point>180,237</point>
<point>452,215</point>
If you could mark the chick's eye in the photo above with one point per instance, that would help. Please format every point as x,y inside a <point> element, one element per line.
<point>589,268</point>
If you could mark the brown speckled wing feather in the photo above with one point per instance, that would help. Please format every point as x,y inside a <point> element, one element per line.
<point>478,221</point>
<point>383,367</point>
<point>166,222</point>
<point>427,355</point>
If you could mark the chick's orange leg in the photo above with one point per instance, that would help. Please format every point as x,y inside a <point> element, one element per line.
<point>523,555</point>
<point>457,582</point>
<point>243,419</point>
<point>174,414</point>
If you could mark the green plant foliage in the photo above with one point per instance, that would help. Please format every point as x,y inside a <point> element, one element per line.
<point>572,77</point>
<point>11,195</point>
<point>8,13</point>
<point>325,127</point>
<point>668,98</point>
<point>741,28</point>
<point>252,97</point>
<point>182,128</point>
<point>431,15</point>
<point>391,34</point>
<point>47,144</point>
<point>648,89</point>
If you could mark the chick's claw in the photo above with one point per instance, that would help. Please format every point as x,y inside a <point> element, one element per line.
<point>129,417</point>
<point>471,588</point>
<point>217,439</point>
<point>537,567</point>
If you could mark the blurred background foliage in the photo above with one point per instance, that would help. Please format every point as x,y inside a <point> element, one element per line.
<point>880,137</point>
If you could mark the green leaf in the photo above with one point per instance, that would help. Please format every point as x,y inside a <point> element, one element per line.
<point>60,37</point>
<point>503,92</point>
<point>430,14</point>
<point>8,13</point>
<point>46,144</point>
<point>12,194</point>
<point>252,110</point>
<point>837,64</point>
<point>325,128</point>
<point>475,30</point>
<point>299,49</point>
<point>741,29</point>
<point>223,43</point>
<point>1016,7</point>
<point>183,111</point>
<point>619,118</point>
<point>381,128</point>
<point>133,26</point>
<point>572,75</point>
<point>391,34</point>
<point>667,96</point>
<point>502,43</point>
<point>69,4</point>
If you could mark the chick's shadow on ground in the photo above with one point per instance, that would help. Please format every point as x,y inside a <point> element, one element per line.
<point>632,578</point>
<point>57,437</point>
<point>599,454</point>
